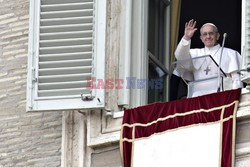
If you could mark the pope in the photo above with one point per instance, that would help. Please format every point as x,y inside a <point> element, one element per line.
<point>205,67</point>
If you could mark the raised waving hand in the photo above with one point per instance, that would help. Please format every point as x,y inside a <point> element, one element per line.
<point>190,29</point>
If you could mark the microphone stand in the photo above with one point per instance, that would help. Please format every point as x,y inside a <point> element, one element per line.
<point>219,67</point>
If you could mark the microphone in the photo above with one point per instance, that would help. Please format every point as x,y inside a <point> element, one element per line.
<point>224,38</point>
<point>219,67</point>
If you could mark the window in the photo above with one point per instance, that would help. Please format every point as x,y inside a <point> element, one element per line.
<point>66,52</point>
<point>157,50</point>
<point>150,51</point>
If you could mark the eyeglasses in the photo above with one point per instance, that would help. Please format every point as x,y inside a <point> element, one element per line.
<point>208,33</point>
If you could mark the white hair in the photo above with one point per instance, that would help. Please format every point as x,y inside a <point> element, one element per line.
<point>209,24</point>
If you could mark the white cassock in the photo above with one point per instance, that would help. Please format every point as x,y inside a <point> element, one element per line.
<point>205,68</point>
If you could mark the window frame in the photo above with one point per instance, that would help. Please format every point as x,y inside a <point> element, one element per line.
<point>159,58</point>
<point>140,57</point>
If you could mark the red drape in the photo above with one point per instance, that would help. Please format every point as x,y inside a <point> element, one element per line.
<point>158,117</point>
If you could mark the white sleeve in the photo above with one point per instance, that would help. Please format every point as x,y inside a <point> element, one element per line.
<point>182,51</point>
<point>236,80</point>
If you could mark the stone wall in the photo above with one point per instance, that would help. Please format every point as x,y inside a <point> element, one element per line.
<point>26,139</point>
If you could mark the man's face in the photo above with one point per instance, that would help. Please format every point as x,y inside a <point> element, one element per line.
<point>208,36</point>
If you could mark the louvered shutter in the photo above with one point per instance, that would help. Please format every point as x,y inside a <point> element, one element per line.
<point>245,51</point>
<point>65,53</point>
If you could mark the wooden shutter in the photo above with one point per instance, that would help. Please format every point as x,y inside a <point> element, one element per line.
<point>65,55</point>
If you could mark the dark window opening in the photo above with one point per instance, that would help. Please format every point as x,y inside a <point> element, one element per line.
<point>225,14</point>
<point>157,72</point>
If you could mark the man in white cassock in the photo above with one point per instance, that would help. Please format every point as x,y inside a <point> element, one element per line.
<point>204,68</point>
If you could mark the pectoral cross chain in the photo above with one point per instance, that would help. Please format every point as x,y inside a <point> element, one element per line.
<point>207,70</point>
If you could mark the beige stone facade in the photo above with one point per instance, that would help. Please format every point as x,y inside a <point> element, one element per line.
<point>26,139</point>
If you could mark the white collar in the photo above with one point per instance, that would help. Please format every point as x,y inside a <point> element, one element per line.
<point>212,49</point>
